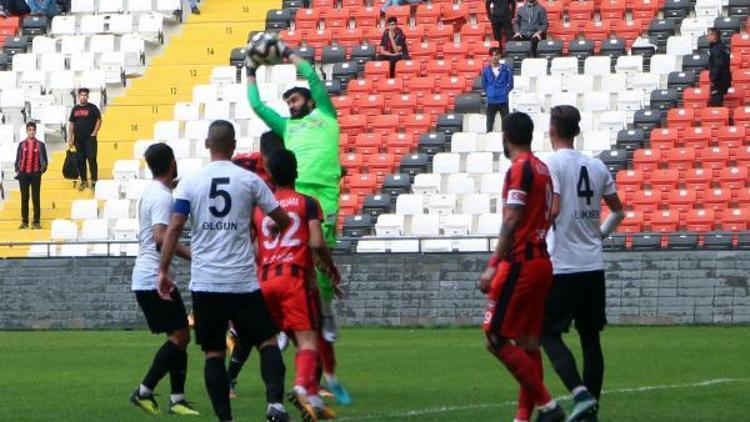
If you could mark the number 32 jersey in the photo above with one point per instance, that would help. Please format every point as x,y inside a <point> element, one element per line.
<point>575,244</point>
<point>291,247</point>
<point>220,199</point>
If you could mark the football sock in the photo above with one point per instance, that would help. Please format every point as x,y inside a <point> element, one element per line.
<point>163,362</point>
<point>144,391</point>
<point>562,360</point>
<point>272,370</point>
<point>306,362</point>
<point>174,398</point>
<point>217,386</point>
<point>525,400</point>
<point>178,373</point>
<point>240,354</point>
<point>327,356</point>
<point>524,371</point>
<point>593,362</point>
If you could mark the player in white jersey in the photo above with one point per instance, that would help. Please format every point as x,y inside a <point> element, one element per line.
<point>579,183</point>
<point>220,200</point>
<point>162,316</point>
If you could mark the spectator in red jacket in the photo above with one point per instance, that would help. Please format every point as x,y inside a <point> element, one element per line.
<point>31,163</point>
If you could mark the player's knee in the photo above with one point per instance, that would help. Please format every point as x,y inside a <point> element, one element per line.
<point>181,338</point>
<point>269,342</point>
<point>528,343</point>
<point>210,354</point>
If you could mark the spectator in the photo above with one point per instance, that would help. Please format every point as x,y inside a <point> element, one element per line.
<point>31,162</point>
<point>389,3</point>
<point>393,45</point>
<point>14,8</point>
<point>531,24</point>
<point>501,13</point>
<point>85,121</point>
<point>194,7</point>
<point>44,8</point>
<point>497,81</point>
<point>718,68</point>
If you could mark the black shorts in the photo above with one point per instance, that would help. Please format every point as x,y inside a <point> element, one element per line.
<point>578,296</point>
<point>162,315</point>
<point>247,311</point>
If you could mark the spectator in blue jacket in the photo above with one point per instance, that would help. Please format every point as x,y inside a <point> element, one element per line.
<point>497,81</point>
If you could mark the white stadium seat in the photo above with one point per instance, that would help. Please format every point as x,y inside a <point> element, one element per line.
<point>117,208</point>
<point>597,65</point>
<point>390,225</point>
<point>125,229</point>
<point>479,162</point>
<point>426,183</point>
<point>83,209</point>
<point>166,130</point>
<point>534,68</point>
<point>489,224</point>
<point>476,203</point>
<point>107,189</point>
<point>446,163</point>
<point>91,24</point>
<point>456,224</point>
<point>410,204</point>
<point>492,183</point>
<point>63,230</point>
<point>460,183</point>
<point>442,204</point>
<point>464,142</point>
<point>83,6</point>
<point>564,66</point>
<point>63,25</point>
<point>629,65</point>
<point>111,6</point>
<point>425,225</point>
<point>125,170</point>
<point>680,45</point>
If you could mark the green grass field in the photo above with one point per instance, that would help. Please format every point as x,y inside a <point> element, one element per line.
<point>653,374</point>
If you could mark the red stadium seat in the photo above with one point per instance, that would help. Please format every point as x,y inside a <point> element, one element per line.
<point>646,200</point>
<point>363,184</point>
<point>695,98</point>
<point>401,13</point>
<point>665,221</point>
<point>681,158</point>
<point>700,220</point>
<point>377,70</point>
<point>664,179</point>
<point>438,68</point>
<point>698,180</point>
<point>428,13</point>
<point>344,142</point>
<point>630,180</point>
<point>682,200</point>
<point>612,9</point>
<point>352,3</point>
<point>368,143</point>
<point>717,199</point>
<point>290,37</point>
<point>371,105</point>
<point>742,197</point>
<point>714,158</point>
<point>741,117</point>
<point>353,124</point>
<point>435,105</point>
<point>735,219</point>
<point>391,88</point>
<point>320,39</point>
<point>743,156</point>
<point>733,177</point>
<point>665,138</point>
<point>381,165</point>
<point>469,68</point>
<point>407,69</point>
<point>366,17</point>
<point>554,9</point>
<point>400,143</point>
<point>645,9</point>
<point>350,37</point>
<point>680,119</point>
<point>714,118</point>
<point>741,79</point>
<point>646,160</point>
<point>344,104</point>
<point>307,19</point>
<point>324,3</point>
<point>452,86</point>
<point>416,123</point>
<point>440,34</point>
<point>455,51</point>
<point>455,14</point>
<point>385,124</point>
<point>414,36</point>
<point>481,49</point>
<point>427,50</point>
<point>582,11</point>
<point>627,29</point>
<point>348,203</point>
<point>359,87</point>
<point>352,162</point>
<point>733,137</point>
<point>735,97</point>
<point>402,104</point>
<point>373,35</point>
<point>697,137</point>
<point>421,86</point>
<point>633,222</point>
<point>597,31</point>
<point>473,33</point>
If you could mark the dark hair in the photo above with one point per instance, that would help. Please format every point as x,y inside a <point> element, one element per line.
<point>391,19</point>
<point>297,90</point>
<point>31,124</point>
<point>715,31</point>
<point>283,167</point>
<point>159,157</point>
<point>518,128</point>
<point>270,142</point>
<point>83,91</point>
<point>565,119</point>
<point>495,50</point>
<point>221,135</point>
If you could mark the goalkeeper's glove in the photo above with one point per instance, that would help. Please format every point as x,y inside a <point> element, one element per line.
<point>250,66</point>
<point>284,51</point>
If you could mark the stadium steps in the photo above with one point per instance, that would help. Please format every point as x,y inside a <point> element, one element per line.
<point>187,60</point>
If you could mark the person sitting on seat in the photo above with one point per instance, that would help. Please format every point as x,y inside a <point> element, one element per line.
<point>393,45</point>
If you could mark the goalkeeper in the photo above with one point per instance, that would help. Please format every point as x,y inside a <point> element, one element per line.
<point>312,134</point>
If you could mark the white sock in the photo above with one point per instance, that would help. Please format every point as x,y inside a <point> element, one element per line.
<point>277,406</point>
<point>519,420</point>
<point>331,379</point>
<point>548,406</point>
<point>145,391</point>
<point>300,390</point>
<point>316,401</point>
<point>174,398</point>
<point>579,389</point>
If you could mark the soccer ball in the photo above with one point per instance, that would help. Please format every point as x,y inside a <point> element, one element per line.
<point>264,48</point>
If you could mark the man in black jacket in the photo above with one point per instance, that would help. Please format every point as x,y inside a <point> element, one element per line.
<point>718,68</point>
<point>501,13</point>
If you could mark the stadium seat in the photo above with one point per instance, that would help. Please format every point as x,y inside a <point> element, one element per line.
<point>664,179</point>
<point>664,221</point>
<point>717,198</point>
<point>700,220</point>
<point>647,201</point>
<point>735,219</point>
<point>734,177</point>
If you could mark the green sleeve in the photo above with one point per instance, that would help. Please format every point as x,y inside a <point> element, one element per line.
<point>267,114</point>
<point>317,89</point>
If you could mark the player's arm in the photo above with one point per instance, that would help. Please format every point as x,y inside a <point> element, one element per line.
<point>615,217</point>
<point>317,88</point>
<point>323,256</point>
<point>160,232</point>
<point>269,116</point>
<point>169,247</point>
<point>512,216</point>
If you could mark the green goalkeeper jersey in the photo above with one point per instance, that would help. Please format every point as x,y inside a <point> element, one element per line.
<point>314,139</point>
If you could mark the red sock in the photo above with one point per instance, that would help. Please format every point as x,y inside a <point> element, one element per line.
<point>327,356</point>
<point>306,362</point>
<point>524,370</point>
<point>525,402</point>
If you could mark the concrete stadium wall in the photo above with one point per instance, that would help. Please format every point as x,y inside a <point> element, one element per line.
<point>694,287</point>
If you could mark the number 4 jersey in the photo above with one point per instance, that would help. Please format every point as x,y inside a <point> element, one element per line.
<point>575,244</point>
<point>220,199</point>
<point>291,246</point>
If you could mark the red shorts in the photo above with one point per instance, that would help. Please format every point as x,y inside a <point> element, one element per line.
<point>291,303</point>
<point>515,306</point>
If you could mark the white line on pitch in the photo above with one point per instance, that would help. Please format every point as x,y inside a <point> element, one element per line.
<point>448,409</point>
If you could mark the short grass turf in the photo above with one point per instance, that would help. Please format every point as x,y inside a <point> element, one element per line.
<point>652,374</point>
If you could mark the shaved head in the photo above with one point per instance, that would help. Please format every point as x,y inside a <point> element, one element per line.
<point>221,137</point>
